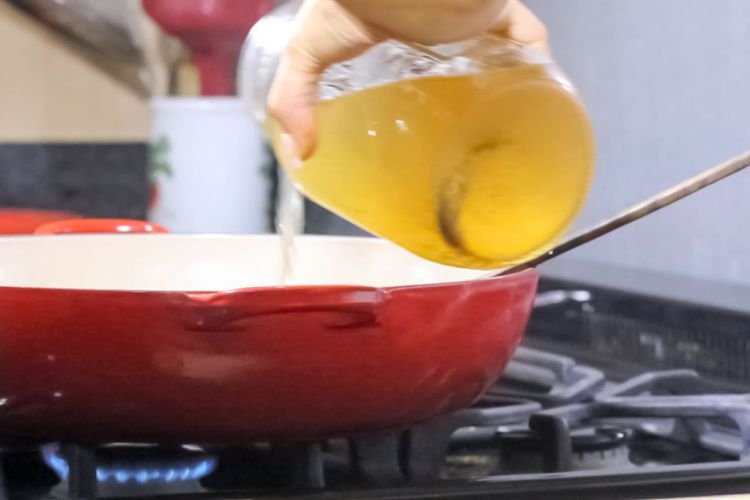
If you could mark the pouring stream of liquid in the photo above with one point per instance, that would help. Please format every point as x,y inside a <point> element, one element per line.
<point>290,221</point>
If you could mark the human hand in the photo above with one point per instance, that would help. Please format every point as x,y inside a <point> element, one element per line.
<point>331,31</point>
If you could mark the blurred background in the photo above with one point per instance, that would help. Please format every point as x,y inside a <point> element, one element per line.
<point>75,115</point>
<point>666,83</point>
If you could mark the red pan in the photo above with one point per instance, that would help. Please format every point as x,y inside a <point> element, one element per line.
<point>26,221</point>
<point>176,338</point>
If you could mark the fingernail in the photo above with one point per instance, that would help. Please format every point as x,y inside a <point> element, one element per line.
<point>289,156</point>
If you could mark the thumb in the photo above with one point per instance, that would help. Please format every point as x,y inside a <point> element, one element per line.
<point>326,33</point>
<point>519,24</point>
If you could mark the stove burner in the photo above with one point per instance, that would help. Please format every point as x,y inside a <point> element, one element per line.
<point>523,451</point>
<point>142,466</point>
<point>689,419</point>
<point>589,439</point>
<point>600,448</point>
<point>605,438</point>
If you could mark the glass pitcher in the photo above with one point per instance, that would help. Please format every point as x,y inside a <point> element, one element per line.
<point>476,154</point>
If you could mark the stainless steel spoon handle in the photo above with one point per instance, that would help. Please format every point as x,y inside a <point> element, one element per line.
<point>649,206</point>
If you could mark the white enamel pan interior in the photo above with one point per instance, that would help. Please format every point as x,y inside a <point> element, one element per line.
<point>134,262</point>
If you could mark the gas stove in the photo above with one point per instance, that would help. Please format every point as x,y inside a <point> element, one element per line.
<point>615,394</point>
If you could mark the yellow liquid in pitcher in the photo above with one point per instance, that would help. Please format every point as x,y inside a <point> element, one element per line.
<point>477,171</point>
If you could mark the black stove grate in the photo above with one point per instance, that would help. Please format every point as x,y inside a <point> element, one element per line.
<point>716,354</point>
<point>615,330</point>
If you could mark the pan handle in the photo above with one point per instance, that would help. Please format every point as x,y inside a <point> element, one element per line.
<point>100,226</point>
<point>349,306</point>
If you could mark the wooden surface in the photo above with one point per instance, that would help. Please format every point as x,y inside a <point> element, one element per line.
<point>49,93</point>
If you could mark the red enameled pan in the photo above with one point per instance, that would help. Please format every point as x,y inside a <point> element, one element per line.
<point>176,338</point>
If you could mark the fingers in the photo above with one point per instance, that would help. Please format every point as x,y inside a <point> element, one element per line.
<point>519,24</point>
<point>291,102</point>
<point>327,33</point>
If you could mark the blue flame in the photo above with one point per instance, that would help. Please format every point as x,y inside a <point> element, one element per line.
<point>187,471</point>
